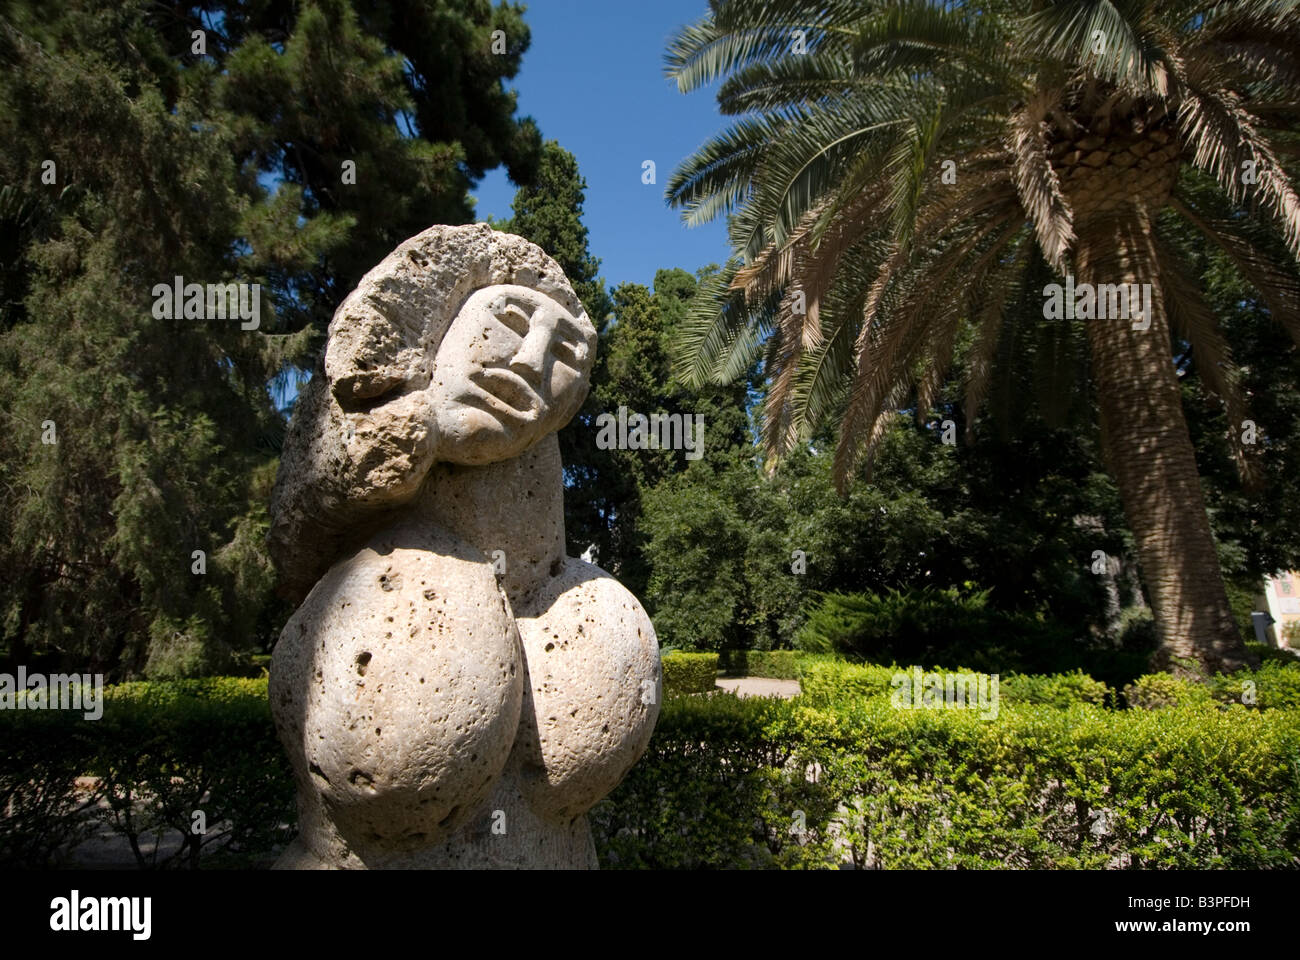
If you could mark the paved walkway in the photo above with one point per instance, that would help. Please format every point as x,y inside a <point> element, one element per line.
<point>759,687</point>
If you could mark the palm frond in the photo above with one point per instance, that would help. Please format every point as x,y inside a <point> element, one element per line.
<point>979,362</point>
<point>1225,142</point>
<point>735,34</point>
<point>1037,183</point>
<point>791,82</point>
<point>1280,291</point>
<point>717,177</point>
<point>1104,39</point>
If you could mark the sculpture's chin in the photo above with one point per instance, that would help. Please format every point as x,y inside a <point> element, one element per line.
<point>473,436</point>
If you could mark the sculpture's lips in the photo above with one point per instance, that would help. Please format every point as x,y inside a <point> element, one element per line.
<point>508,393</point>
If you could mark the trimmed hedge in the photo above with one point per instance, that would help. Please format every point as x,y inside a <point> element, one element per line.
<point>836,777</point>
<point>687,673</point>
<point>778,664</point>
<point>1274,685</point>
<point>161,751</point>
<point>826,681</point>
<point>765,782</point>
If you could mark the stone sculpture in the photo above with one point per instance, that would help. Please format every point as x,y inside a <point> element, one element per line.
<point>453,691</point>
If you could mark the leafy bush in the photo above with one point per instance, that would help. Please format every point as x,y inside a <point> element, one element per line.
<point>1274,684</point>
<point>730,783</point>
<point>1057,690</point>
<point>929,626</point>
<point>1266,652</point>
<point>1157,690</point>
<point>185,649</point>
<point>686,673</point>
<point>204,745</point>
<point>697,797</point>
<point>161,751</point>
<point>779,664</point>
<point>42,814</point>
<point>836,777</point>
<point>830,682</point>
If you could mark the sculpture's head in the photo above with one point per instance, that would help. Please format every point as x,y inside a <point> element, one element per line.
<point>511,368</point>
<point>464,345</point>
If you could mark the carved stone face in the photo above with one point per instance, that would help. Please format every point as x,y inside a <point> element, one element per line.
<point>511,368</point>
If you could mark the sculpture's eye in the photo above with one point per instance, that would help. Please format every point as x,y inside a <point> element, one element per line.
<point>513,316</point>
<point>569,343</point>
<point>569,354</point>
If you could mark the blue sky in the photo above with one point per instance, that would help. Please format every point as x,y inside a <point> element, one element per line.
<point>593,80</point>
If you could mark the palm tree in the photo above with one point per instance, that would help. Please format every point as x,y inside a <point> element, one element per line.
<point>904,170</point>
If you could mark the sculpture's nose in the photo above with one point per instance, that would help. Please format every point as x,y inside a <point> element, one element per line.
<point>528,360</point>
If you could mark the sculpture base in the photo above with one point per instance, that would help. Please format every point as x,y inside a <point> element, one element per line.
<point>504,834</point>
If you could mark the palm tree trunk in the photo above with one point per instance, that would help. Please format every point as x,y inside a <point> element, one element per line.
<point>1149,452</point>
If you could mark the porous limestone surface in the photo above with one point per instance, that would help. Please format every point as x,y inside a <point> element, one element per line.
<point>453,691</point>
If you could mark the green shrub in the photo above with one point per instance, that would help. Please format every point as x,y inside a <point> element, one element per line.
<point>1157,690</point>
<point>686,673</point>
<point>837,777</point>
<point>185,649</point>
<point>729,783</point>
<point>779,664</point>
<point>1274,684</point>
<point>929,626</point>
<point>828,682</point>
<point>161,751</point>
<point>1266,653</point>
<point>703,793</point>
<point>1058,690</point>
<point>42,814</point>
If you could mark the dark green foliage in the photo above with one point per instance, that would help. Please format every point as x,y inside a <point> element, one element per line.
<point>226,167</point>
<point>778,664</point>
<point>1268,653</point>
<point>160,752</point>
<point>1018,518</point>
<point>41,756</point>
<point>1254,516</point>
<point>687,673</point>
<point>702,796</point>
<point>723,785</point>
<point>924,626</point>
<point>719,550</point>
<point>606,489</point>
<point>929,626</point>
